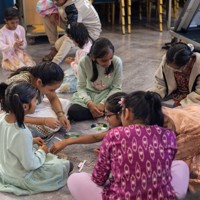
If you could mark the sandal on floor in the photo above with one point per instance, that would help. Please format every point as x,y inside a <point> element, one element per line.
<point>50,56</point>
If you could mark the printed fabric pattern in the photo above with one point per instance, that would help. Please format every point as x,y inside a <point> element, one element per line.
<point>46,7</point>
<point>139,158</point>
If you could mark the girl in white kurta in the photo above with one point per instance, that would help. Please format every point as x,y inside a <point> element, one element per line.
<point>25,169</point>
<point>13,42</point>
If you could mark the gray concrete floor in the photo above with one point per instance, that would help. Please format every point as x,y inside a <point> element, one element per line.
<point>141,54</point>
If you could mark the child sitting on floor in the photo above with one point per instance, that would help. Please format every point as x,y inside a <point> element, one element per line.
<point>80,36</point>
<point>25,169</point>
<point>139,156</point>
<point>99,76</point>
<point>112,116</point>
<point>49,115</point>
<point>13,42</point>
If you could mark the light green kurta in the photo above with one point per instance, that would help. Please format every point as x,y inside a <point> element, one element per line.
<point>24,169</point>
<point>102,88</point>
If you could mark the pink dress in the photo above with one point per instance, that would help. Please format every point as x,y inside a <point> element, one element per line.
<point>14,58</point>
<point>79,54</point>
<point>70,79</point>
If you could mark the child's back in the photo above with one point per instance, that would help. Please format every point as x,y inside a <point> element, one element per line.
<point>140,158</point>
<point>25,169</point>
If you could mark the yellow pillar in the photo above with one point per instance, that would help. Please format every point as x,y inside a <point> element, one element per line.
<point>122,8</point>
<point>129,15</point>
<point>160,3</point>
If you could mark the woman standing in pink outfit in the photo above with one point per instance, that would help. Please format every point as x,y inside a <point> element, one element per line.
<point>13,43</point>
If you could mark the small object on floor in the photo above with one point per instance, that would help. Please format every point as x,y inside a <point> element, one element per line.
<point>81,165</point>
<point>62,156</point>
<point>71,134</point>
<point>99,126</point>
<point>57,138</point>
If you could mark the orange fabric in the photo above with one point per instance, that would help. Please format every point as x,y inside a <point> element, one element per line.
<point>187,124</point>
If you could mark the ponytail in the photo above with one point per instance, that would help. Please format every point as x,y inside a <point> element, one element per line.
<point>155,115</point>
<point>18,106</point>
<point>145,106</point>
<point>13,97</point>
<point>95,71</point>
<point>3,87</point>
<point>108,70</point>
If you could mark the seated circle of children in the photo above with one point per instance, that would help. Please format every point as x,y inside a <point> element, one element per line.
<point>50,113</point>
<point>99,76</point>
<point>68,11</point>
<point>177,77</point>
<point>78,33</point>
<point>112,116</point>
<point>26,166</point>
<point>135,160</point>
<point>13,42</point>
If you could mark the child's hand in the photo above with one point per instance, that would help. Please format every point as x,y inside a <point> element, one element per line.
<point>65,122</point>
<point>51,122</point>
<point>38,141</point>
<point>58,146</point>
<point>94,110</point>
<point>18,42</point>
<point>44,148</point>
<point>69,60</point>
<point>101,107</point>
<point>97,150</point>
<point>54,18</point>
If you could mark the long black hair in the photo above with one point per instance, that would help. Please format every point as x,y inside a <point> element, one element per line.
<point>99,49</point>
<point>79,33</point>
<point>179,54</point>
<point>48,72</point>
<point>145,106</point>
<point>13,96</point>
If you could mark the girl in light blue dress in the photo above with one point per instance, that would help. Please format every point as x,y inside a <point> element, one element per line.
<point>26,166</point>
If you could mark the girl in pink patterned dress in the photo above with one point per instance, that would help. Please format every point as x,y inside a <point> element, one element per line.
<point>135,160</point>
<point>13,43</point>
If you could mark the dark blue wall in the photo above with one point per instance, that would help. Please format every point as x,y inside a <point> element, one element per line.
<point>3,5</point>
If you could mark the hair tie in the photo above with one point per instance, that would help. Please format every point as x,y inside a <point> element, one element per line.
<point>68,26</point>
<point>121,102</point>
<point>191,46</point>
